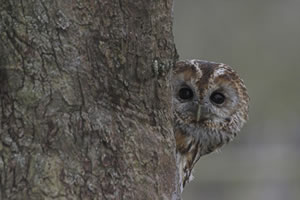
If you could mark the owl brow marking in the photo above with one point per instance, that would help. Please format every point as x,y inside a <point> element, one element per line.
<point>220,71</point>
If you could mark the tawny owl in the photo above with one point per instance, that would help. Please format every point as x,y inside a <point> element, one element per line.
<point>210,107</point>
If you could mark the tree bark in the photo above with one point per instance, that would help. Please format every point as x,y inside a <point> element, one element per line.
<point>85,103</point>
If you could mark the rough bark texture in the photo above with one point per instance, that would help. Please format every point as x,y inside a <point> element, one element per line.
<point>85,108</point>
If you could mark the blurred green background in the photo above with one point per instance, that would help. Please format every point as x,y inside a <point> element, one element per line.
<point>261,41</point>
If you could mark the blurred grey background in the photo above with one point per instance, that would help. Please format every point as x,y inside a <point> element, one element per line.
<point>261,41</point>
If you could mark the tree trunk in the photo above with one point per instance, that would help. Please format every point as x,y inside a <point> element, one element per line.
<point>85,103</point>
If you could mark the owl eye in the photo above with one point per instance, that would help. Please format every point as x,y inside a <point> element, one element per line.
<point>185,93</point>
<point>217,98</point>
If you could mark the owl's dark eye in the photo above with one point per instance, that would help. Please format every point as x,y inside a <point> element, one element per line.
<point>217,98</point>
<point>185,93</point>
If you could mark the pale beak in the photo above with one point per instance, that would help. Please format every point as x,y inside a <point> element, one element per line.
<point>198,113</point>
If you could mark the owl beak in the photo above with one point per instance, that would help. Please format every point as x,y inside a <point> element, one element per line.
<point>198,113</point>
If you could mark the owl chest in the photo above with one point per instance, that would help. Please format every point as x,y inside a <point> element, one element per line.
<point>188,146</point>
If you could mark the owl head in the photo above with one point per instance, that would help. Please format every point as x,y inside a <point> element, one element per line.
<point>210,102</point>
